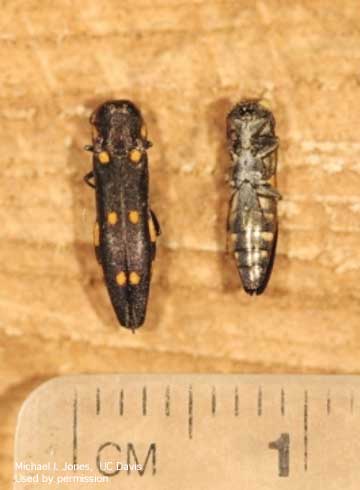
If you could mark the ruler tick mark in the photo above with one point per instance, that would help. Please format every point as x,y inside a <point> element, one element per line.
<point>328,403</point>
<point>121,403</point>
<point>236,402</point>
<point>213,401</point>
<point>306,428</point>
<point>282,402</point>
<point>259,402</point>
<point>190,412</point>
<point>75,428</point>
<point>144,401</point>
<point>98,401</point>
<point>167,401</point>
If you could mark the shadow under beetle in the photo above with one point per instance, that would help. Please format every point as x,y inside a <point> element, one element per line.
<point>126,229</point>
<point>252,220</point>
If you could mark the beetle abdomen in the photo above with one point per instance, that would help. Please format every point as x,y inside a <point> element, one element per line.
<point>254,239</point>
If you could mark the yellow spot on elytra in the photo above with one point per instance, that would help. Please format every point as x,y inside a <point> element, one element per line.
<point>233,237</point>
<point>134,217</point>
<point>134,278</point>
<point>263,254</point>
<point>237,255</point>
<point>135,155</point>
<point>121,278</point>
<point>104,157</point>
<point>152,231</point>
<point>267,236</point>
<point>143,131</point>
<point>96,234</point>
<point>112,218</point>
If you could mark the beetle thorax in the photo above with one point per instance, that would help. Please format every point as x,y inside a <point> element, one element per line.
<point>246,139</point>
<point>246,169</point>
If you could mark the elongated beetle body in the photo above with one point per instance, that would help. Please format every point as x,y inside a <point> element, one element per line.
<point>126,229</point>
<point>253,209</point>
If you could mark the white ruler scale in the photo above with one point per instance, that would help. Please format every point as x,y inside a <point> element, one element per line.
<point>190,432</point>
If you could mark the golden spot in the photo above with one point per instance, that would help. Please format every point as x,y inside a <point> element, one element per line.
<point>152,231</point>
<point>135,155</point>
<point>233,237</point>
<point>134,217</point>
<point>263,254</point>
<point>143,131</point>
<point>237,255</point>
<point>112,218</point>
<point>104,157</point>
<point>121,278</point>
<point>134,278</point>
<point>267,236</point>
<point>96,234</point>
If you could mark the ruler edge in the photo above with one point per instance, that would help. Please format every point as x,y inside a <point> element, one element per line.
<point>73,379</point>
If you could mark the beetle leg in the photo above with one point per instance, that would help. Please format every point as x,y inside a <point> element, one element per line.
<point>154,231</point>
<point>88,148</point>
<point>87,179</point>
<point>270,147</point>
<point>156,223</point>
<point>268,191</point>
<point>257,126</point>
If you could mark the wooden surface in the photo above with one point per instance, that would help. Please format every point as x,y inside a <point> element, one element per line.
<point>184,63</point>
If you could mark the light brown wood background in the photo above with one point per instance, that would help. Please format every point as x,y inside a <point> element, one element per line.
<point>184,63</point>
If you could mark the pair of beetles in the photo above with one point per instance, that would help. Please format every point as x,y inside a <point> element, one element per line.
<point>126,228</point>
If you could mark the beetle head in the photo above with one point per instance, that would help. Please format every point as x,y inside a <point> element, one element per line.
<point>245,121</point>
<point>118,125</point>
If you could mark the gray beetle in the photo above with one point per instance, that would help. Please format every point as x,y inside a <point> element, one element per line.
<point>252,221</point>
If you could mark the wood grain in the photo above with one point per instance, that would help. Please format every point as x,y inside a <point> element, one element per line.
<point>184,63</point>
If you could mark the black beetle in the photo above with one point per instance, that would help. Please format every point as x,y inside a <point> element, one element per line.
<point>126,229</point>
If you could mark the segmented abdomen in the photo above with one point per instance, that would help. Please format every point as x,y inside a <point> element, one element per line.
<point>254,233</point>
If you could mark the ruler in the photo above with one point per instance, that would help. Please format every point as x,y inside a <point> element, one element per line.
<point>190,432</point>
